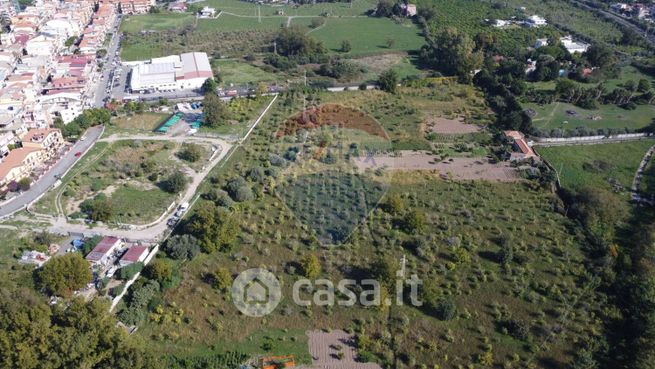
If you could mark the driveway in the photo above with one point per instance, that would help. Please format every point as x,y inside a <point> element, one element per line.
<point>49,178</point>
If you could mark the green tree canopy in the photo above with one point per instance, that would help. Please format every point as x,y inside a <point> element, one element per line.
<point>34,335</point>
<point>311,267</point>
<point>216,111</point>
<point>452,52</point>
<point>62,275</point>
<point>176,182</point>
<point>215,227</point>
<point>388,81</point>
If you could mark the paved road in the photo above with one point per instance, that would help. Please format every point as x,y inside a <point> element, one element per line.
<point>49,178</point>
<point>108,70</point>
<point>601,141</point>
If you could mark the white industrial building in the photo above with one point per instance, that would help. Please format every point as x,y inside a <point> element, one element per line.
<point>175,72</point>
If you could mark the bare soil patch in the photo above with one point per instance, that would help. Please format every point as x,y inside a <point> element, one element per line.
<point>450,126</point>
<point>452,168</point>
<point>332,114</point>
<point>326,348</point>
<point>380,63</point>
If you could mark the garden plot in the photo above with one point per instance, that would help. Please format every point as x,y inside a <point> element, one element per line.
<point>453,168</point>
<point>335,350</point>
<point>447,126</point>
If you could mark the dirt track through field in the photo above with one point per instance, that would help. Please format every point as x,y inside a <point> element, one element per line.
<point>326,347</point>
<point>450,126</point>
<point>454,168</point>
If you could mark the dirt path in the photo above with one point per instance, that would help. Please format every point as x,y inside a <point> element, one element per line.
<point>452,168</point>
<point>639,174</point>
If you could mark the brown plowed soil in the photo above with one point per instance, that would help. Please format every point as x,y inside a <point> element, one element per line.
<point>335,115</point>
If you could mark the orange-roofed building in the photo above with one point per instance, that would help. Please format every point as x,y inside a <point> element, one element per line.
<point>19,163</point>
<point>48,139</point>
<point>523,151</point>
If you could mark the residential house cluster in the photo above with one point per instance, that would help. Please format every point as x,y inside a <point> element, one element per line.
<point>571,45</point>
<point>533,21</point>
<point>112,253</point>
<point>47,70</point>
<point>133,6</point>
<point>636,10</point>
<point>37,148</point>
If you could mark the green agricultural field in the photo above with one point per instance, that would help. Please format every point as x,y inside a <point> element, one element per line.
<point>465,223</point>
<point>238,36</point>
<point>369,35</point>
<point>356,7</point>
<point>555,115</point>
<point>403,116</point>
<point>454,249</point>
<point>562,13</point>
<point>231,23</point>
<point>241,73</point>
<point>608,165</point>
<point>243,111</point>
<point>155,22</point>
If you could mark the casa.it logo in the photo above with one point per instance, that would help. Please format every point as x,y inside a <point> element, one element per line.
<point>256,292</point>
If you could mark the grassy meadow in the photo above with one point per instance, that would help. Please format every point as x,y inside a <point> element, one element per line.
<point>556,115</point>
<point>369,35</point>
<point>608,166</point>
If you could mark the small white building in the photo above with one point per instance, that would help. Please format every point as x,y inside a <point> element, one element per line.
<point>500,23</point>
<point>101,254</point>
<point>207,12</point>
<point>573,46</point>
<point>536,21</point>
<point>569,44</point>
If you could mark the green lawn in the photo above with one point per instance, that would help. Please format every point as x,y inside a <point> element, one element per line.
<point>240,72</point>
<point>596,165</point>
<point>152,203</point>
<point>231,23</point>
<point>369,35</point>
<point>357,7</point>
<point>155,22</point>
<point>555,116</point>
